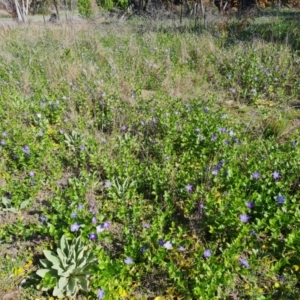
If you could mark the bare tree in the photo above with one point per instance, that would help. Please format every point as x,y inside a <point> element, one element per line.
<point>18,9</point>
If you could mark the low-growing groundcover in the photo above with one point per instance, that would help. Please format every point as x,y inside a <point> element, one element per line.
<point>113,197</point>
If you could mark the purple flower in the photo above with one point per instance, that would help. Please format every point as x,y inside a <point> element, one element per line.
<point>100,228</point>
<point>181,249</point>
<point>26,150</point>
<point>244,218</point>
<point>220,164</point>
<point>123,127</point>
<point>207,253</point>
<point>31,174</point>
<point>214,137</point>
<point>128,261</point>
<point>160,242</point>
<point>106,224</point>
<point>43,218</point>
<point>93,236</point>
<point>75,227</point>
<point>146,225</point>
<point>206,110</point>
<point>280,199</point>
<point>73,215</point>
<point>32,182</point>
<point>232,90</point>
<point>189,187</point>
<point>276,175</point>
<point>197,130</point>
<point>215,171</point>
<point>143,249</point>
<point>282,278</point>
<point>231,133</point>
<point>107,184</point>
<point>94,220</point>
<point>244,262</point>
<point>168,245</point>
<point>2,142</point>
<point>82,147</point>
<point>4,134</point>
<point>255,175</point>
<point>294,143</point>
<point>252,232</point>
<point>100,294</point>
<point>222,130</point>
<point>80,206</point>
<point>250,205</point>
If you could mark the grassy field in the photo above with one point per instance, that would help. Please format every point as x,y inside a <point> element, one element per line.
<point>151,159</point>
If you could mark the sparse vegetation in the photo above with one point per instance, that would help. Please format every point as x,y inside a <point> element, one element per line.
<point>166,149</point>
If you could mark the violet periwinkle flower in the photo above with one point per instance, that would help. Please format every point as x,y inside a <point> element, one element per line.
<point>189,187</point>
<point>26,150</point>
<point>250,205</point>
<point>167,245</point>
<point>75,227</point>
<point>100,294</point>
<point>207,253</point>
<point>93,236</point>
<point>160,242</point>
<point>100,228</point>
<point>244,218</point>
<point>31,174</point>
<point>107,184</point>
<point>255,175</point>
<point>43,218</point>
<point>128,261</point>
<point>244,262</point>
<point>276,175</point>
<point>280,199</point>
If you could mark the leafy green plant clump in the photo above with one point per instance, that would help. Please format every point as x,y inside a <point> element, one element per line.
<point>68,270</point>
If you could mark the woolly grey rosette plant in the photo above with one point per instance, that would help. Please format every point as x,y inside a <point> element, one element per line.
<point>70,269</point>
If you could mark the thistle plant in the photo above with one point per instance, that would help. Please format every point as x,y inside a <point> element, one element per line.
<point>69,270</point>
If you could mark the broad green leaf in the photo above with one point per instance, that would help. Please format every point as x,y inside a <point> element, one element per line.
<point>71,287</point>
<point>83,283</point>
<point>45,263</point>
<point>51,257</point>
<point>57,292</point>
<point>24,204</point>
<point>69,271</point>
<point>62,257</point>
<point>62,283</point>
<point>42,272</point>
<point>64,246</point>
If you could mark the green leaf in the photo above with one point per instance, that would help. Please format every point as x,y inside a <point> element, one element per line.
<point>57,292</point>
<point>83,283</point>
<point>69,271</point>
<point>64,245</point>
<point>42,272</point>
<point>45,263</point>
<point>62,257</point>
<point>51,257</point>
<point>24,204</point>
<point>71,287</point>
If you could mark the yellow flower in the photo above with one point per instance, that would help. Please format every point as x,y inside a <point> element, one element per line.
<point>260,290</point>
<point>264,247</point>
<point>296,268</point>
<point>276,285</point>
<point>247,286</point>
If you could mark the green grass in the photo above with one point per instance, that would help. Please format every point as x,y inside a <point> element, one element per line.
<point>157,129</point>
